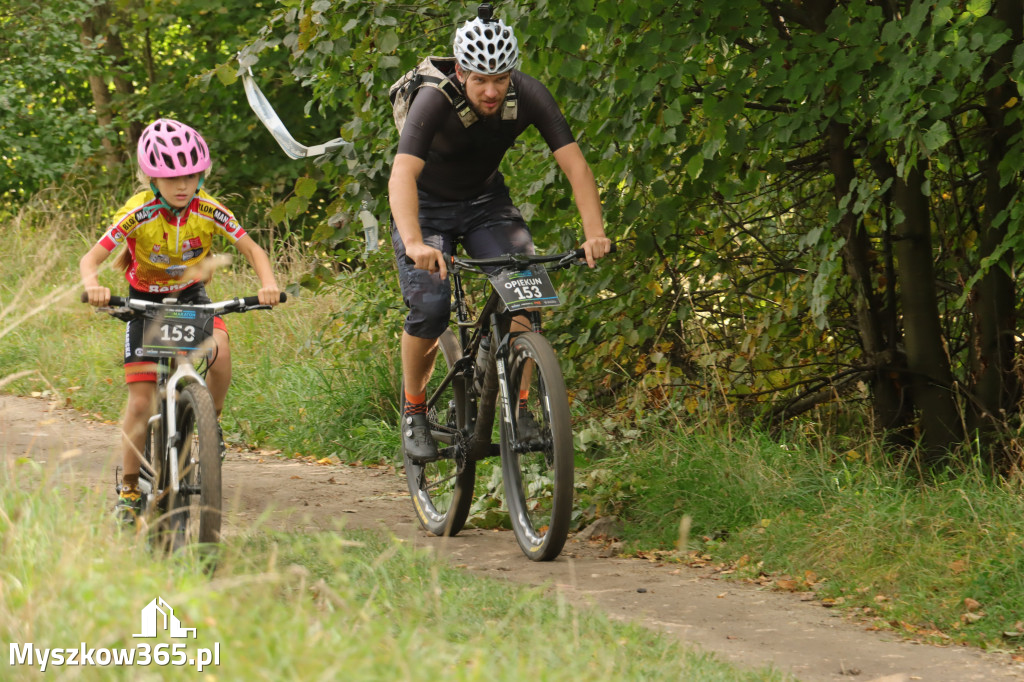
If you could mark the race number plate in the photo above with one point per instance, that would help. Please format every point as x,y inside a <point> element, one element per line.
<point>175,331</point>
<point>529,288</point>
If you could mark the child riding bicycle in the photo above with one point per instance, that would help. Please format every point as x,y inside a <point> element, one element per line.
<point>167,232</point>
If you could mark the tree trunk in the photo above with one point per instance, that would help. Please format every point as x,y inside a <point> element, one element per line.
<point>124,87</point>
<point>996,388</point>
<point>886,395</point>
<point>109,110</point>
<point>927,359</point>
<point>91,27</point>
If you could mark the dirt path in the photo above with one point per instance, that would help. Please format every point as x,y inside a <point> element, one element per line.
<point>740,623</point>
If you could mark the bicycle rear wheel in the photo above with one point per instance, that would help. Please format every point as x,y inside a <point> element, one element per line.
<point>536,450</point>
<point>442,491</point>
<point>194,514</point>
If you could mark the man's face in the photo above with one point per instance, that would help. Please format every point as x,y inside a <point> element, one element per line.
<point>485,93</point>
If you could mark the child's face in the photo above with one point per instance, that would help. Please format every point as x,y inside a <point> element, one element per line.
<point>178,191</point>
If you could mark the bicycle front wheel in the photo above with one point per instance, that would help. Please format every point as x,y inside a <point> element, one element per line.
<point>442,491</point>
<point>195,510</point>
<point>536,448</point>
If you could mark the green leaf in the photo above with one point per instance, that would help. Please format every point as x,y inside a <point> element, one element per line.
<point>672,115</point>
<point>226,74</point>
<point>388,42</point>
<point>296,206</point>
<point>937,136</point>
<point>279,213</point>
<point>694,166</point>
<point>979,8</point>
<point>323,232</point>
<point>305,187</point>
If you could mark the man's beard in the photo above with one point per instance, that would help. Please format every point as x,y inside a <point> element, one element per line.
<point>484,116</point>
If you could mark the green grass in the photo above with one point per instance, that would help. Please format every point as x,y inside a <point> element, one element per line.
<point>331,605</point>
<point>317,377</point>
<point>300,606</point>
<point>867,536</point>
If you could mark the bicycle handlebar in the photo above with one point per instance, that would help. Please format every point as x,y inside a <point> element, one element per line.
<point>561,260</point>
<point>234,305</point>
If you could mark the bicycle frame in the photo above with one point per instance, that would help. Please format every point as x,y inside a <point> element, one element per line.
<point>491,321</point>
<point>502,374</point>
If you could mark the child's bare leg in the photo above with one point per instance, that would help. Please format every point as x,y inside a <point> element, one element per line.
<point>218,379</point>
<point>141,405</point>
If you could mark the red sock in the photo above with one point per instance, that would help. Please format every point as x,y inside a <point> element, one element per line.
<point>415,404</point>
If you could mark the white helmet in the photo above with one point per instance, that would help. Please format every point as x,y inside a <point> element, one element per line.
<point>485,45</point>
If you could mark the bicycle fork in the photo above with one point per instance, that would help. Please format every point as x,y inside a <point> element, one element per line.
<point>182,373</point>
<point>502,355</point>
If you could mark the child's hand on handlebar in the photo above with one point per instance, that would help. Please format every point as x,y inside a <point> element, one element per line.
<point>97,296</point>
<point>269,295</point>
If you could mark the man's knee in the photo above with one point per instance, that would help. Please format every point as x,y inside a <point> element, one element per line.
<point>427,328</point>
<point>428,314</point>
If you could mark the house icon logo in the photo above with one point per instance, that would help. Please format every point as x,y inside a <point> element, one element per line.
<point>157,615</point>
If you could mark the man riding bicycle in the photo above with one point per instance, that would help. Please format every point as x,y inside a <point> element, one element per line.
<point>445,188</point>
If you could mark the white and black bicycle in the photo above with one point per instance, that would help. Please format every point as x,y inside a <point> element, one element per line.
<point>180,477</point>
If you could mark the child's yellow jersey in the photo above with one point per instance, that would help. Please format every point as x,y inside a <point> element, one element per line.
<point>163,246</point>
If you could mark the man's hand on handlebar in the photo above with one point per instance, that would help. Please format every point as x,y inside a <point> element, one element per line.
<point>595,248</point>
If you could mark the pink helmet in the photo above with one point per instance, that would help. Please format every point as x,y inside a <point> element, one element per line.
<point>168,149</point>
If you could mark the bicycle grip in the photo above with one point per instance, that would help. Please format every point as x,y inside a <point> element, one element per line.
<point>580,253</point>
<point>250,301</point>
<point>115,301</point>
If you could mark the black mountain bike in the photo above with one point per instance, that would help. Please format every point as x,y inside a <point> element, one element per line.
<point>493,363</point>
<point>180,475</point>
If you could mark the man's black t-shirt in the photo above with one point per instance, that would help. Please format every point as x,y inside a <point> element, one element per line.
<point>461,162</point>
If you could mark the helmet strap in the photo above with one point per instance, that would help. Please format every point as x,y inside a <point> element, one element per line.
<point>163,202</point>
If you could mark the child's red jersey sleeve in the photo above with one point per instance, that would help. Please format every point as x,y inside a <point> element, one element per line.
<point>127,218</point>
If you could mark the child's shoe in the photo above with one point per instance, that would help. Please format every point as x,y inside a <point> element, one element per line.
<point>129,504</point>
<point>220,441</point>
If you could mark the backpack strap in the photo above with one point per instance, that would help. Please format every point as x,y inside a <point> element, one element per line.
<point>435,72</point>
<point>455,96</point>
<point>509,108</point>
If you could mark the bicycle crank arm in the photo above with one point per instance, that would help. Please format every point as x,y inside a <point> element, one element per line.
<point>478,454</point>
